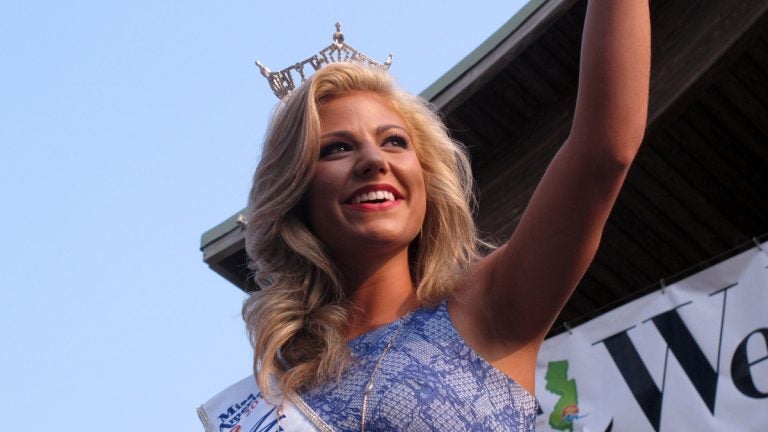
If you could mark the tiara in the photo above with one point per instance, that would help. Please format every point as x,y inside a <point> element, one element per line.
<point>283,82</point>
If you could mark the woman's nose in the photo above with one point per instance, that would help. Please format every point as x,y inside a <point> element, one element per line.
<point>371,161</point>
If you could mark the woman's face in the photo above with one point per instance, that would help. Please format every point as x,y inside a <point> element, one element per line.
<point>367,193</point>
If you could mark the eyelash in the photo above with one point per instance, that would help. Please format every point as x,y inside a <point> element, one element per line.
<point>333,148</point>
<point>340,146</point>
<point>397,139</point>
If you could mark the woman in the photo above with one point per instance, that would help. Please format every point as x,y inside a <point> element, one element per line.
<point>377,310</point>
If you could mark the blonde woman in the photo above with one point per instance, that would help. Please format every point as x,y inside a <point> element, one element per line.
<point>378,308</point>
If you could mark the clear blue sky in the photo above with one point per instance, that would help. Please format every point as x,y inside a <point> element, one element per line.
<point>126,130</point>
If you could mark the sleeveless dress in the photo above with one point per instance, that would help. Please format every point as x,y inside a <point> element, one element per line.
<point>428,380</point>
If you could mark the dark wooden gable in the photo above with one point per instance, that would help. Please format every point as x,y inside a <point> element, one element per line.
<point>698,188</point>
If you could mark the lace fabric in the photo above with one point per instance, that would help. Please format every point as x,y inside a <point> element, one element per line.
<point>430,380</point>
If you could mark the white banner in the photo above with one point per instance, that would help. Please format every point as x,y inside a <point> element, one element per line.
<point>689,358</point>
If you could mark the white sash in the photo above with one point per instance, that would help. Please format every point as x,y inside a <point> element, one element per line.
<point>241,408</point>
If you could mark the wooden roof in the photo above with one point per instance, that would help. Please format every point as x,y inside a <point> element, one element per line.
<point>697,191</point>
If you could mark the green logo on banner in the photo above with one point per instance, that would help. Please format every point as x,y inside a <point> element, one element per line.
<point>566,409</point>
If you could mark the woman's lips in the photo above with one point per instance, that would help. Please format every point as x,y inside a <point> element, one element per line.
<point>373,206</point>
<point>375,197</point>
<point>364,193</point>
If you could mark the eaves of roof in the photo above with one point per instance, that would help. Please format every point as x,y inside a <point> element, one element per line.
<point>232,223</point>
<point>479,53</point>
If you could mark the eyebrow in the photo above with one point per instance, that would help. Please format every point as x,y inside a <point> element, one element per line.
<point>383,128</point>
<point>348,135</point>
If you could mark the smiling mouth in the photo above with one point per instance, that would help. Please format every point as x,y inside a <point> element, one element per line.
<point>374,197</point>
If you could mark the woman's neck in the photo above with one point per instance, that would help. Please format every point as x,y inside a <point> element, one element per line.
<point>381,291</point>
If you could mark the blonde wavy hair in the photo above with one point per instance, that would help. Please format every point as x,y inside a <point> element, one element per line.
<point>297,320</point>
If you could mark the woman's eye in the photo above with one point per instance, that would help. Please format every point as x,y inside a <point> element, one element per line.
<point>334,148</point>
<point>396,141</point>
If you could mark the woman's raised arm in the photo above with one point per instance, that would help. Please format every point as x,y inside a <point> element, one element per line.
<point>525,283</point>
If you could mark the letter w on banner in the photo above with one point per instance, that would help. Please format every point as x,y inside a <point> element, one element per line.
<point>694,357</point>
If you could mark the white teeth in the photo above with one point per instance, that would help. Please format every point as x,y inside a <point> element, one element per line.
<point>372,196</point>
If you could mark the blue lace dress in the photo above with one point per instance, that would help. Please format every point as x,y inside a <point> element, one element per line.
<point>429,380</point>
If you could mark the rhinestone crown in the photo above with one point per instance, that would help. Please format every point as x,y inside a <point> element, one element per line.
<point>284,82</point>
